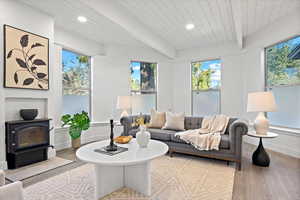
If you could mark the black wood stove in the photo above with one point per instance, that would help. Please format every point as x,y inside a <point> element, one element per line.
<point>27,142</point>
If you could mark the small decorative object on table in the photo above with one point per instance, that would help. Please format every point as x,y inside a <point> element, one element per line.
<point>143,137</point>
<point>111,149</point>
<point>29,114</point>
<point>78,122</point>
<point>138,121</point>
<point>111,146</point>
<point>123,139</point>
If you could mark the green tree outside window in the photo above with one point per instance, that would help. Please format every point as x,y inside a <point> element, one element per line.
<point>282,67</point>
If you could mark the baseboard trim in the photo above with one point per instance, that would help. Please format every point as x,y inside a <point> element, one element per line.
<point>3,165</point>
<point>84,140</point>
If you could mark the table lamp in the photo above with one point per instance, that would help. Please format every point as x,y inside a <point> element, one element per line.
<point>124,103</point>
<point>261,102</point>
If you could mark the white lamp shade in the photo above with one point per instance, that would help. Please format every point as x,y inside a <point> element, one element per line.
<point>261,102</point>
<point>124,102</point>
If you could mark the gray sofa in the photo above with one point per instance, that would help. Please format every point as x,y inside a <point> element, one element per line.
<point>230,146</point>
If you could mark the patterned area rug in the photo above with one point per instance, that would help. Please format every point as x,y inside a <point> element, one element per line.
<point>177,178</point>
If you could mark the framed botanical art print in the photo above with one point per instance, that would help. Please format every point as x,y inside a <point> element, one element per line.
<point>26,59</point>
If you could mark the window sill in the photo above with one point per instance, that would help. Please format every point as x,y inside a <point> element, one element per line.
<point>281,130</point>
<point>92,124</point>
<point>286,131</point>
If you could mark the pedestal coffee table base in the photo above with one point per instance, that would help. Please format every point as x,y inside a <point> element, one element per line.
<point>112,178</point>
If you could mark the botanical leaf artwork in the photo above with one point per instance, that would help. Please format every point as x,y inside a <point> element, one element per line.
<point>26,60</point>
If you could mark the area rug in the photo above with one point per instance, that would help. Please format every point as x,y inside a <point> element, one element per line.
<point>35,169</point>
<point>177,178</point>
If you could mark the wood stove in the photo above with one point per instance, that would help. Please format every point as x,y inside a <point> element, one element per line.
<point>27,142</point>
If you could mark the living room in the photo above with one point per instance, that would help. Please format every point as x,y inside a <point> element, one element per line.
<point>177,64</point>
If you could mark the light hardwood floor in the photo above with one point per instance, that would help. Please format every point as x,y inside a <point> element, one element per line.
<point>280,181</point>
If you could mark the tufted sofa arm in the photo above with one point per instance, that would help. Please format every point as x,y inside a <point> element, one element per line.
<point>127,122</point>
<point>236,131</point>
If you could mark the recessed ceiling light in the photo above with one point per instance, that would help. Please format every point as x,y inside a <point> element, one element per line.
<point>189,26</point>
<point>81,19</point>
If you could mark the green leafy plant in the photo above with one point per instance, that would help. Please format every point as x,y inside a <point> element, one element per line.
<point>78,122</point>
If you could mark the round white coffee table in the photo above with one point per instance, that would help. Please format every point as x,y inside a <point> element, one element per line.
<point>130,168</point>
<point>260,157</point>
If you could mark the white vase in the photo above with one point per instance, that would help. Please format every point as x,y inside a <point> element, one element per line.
<point>143,137</point>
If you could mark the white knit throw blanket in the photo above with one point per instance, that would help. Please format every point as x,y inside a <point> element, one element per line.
<point>208,137</point>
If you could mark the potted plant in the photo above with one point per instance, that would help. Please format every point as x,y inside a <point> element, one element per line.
<point>78,122</point>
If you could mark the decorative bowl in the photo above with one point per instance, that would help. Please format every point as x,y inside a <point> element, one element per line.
<point>29,114</point>
<point>123,139</point>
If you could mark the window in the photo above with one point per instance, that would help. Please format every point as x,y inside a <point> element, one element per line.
<point>282,62</point>
<point>206,83</point>
<point>76,82</point>
<point>143,86</point>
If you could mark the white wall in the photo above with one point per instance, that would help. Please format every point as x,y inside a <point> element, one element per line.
<point>23,17</point>
<point>110,78</point>
<point>231,70</point>
<point>288,142</point>
<point>111,72</point>
<point>77,43</point>
<point>242,72</point>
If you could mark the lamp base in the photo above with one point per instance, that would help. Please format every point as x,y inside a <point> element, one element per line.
<point>261,124</point>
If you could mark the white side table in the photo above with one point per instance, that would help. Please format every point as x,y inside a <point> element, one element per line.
<point>260,157</point>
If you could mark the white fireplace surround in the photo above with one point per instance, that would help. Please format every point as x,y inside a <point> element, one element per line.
<point>14,104</point>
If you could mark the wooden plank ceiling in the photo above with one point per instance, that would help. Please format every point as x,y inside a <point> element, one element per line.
<point>216,21</point>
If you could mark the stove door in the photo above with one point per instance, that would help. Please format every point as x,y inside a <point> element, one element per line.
<point>33,136</point>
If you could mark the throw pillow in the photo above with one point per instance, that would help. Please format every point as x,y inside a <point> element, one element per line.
<point>157,120</point>
<point>174,121</point>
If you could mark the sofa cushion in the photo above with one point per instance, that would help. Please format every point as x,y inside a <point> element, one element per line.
<point>158,134</point>
<point>157,120</point>
<point>174,121</point>
<point>224,144</point>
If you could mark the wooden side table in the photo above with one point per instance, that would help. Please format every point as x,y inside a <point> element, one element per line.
<point>260,157</point>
